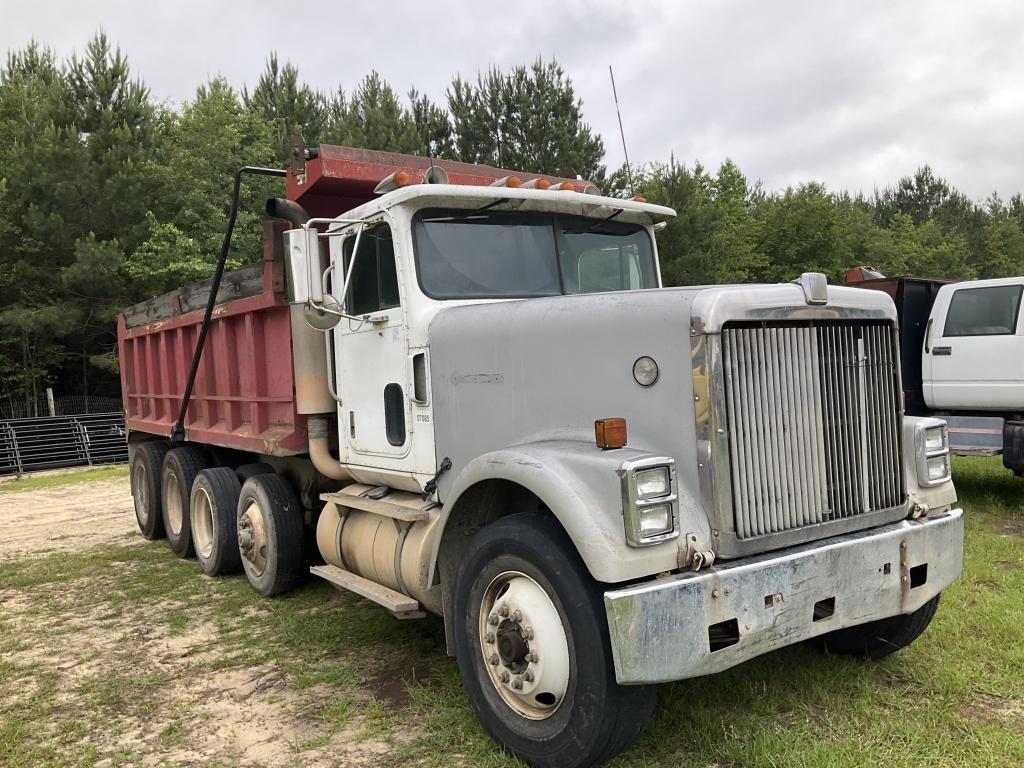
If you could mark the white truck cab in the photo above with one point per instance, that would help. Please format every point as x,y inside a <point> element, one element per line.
<point>973,355</point>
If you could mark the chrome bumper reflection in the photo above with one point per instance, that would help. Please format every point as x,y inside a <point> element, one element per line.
<point>664,630</point>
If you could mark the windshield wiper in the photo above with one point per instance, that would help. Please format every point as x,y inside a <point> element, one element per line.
<point>607,218</point>
<point>471,212</point>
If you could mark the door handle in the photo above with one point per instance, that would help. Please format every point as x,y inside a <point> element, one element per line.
<point>942,350</point>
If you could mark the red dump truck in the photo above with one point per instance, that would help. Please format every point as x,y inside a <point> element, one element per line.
<point>468,386</point>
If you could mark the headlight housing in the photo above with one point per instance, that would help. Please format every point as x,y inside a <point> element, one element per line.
<point>931,443</point>
<point>649,500</point>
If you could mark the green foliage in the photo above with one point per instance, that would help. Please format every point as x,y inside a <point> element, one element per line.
<point>374,118</point>
<point>288,106</point>
<point>528,119</point>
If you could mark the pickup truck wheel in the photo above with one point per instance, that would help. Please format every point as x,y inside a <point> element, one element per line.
<point>214,510</point>
<point>271,538</point>
<point>877,639</point>
<point>531,639</point>
<point>181,465</point>
<point>147,463</point>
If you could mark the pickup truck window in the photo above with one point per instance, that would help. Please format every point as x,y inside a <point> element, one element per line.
<point>374,284</point>
<point>487,254</point>
<point>983,311</point>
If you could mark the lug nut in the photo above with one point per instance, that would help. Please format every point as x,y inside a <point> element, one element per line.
<point>531,657</point>
<point>518,683</point>
<point>503,610</point>
<point>528,633</point>
<point>504,676</point>
<point>493,660</point>
<point>517,616</point>
<point>492,620</point>
<point>528,676</point>
<point>490,638</point>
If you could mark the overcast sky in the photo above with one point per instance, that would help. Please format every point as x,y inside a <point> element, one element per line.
<point>851,94</point>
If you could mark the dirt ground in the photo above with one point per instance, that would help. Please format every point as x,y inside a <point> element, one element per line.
<point>95,670</point>
<point>66,518</point>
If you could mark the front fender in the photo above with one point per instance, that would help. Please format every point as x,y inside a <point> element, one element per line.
<point>579,483</point>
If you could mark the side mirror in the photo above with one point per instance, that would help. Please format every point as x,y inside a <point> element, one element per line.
<point>304,267</point>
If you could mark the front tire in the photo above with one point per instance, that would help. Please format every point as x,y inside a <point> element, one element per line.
<point>271,536</point>
<point>531,639</point>
<point>878,639</point>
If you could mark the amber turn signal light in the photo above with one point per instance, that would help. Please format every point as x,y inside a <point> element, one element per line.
<point>610,433</point>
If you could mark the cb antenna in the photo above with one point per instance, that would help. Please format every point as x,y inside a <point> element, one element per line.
<point>625,153</point>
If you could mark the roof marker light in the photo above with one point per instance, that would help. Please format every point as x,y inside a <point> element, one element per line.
<point>394,181</point>
<point>537,184</point>
<point>638,199</point>
<point>512,182</point>
<point>565,186</point>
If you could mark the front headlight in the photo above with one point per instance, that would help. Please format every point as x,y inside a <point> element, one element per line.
<point>651,483</point>
<point>935,438</point>
<point>931,441</point>
<point>649,500</point>
<point>656,520</point>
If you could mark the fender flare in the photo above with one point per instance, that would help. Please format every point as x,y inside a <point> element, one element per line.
<point>589,510</point>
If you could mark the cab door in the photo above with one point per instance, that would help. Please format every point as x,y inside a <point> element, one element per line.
<point>372,355</point>
<point>973,356</point>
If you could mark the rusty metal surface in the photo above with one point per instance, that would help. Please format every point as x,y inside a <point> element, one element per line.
<point>660,629</point>
<point>341,178</point>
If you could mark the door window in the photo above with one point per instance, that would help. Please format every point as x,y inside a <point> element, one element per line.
<point>983,311</point>
<point>374,282</point>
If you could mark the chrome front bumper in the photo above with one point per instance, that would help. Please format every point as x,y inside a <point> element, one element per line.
<point>660,630</point>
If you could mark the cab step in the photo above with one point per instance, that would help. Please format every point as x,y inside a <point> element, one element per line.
<point>402,606</point>
<point>411,510</point>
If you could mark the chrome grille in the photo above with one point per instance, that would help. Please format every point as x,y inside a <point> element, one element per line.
<point>813,416</point>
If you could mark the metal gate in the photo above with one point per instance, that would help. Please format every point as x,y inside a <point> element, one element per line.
<point>55,442</point>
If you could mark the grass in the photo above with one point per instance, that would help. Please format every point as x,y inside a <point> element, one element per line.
<point>52,480</point>
<point>955,698</point>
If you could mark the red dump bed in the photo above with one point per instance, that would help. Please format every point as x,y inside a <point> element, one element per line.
<point>244,394</point>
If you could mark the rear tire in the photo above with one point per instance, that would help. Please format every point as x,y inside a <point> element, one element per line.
<point>531,639</point>
<point>214,510</point>
<point>146,469</point>
<point>271,535</point>
<point>878,639</point>
<point>181,466</point>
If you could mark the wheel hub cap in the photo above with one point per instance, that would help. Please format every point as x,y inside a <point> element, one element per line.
<point>252,538</point>
<point>141,494</point>
<point>172,499</point>
<point>524,645</point>
<point>202,523</point>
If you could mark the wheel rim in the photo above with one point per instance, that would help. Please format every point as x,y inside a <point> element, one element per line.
<point>172,502</point>
<point>202,523</point>
<point>141,493</point>
<point>252,538</point>
<point>524,646</point>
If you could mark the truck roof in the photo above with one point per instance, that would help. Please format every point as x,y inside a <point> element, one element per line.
<point>457,196</point>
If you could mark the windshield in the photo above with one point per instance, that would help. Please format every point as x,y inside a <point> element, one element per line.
<point>486,255</point>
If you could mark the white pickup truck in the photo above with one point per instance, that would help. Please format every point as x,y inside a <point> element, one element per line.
<point>962,345</point>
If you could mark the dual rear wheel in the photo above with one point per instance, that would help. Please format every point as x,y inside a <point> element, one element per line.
<point>246,518</point>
